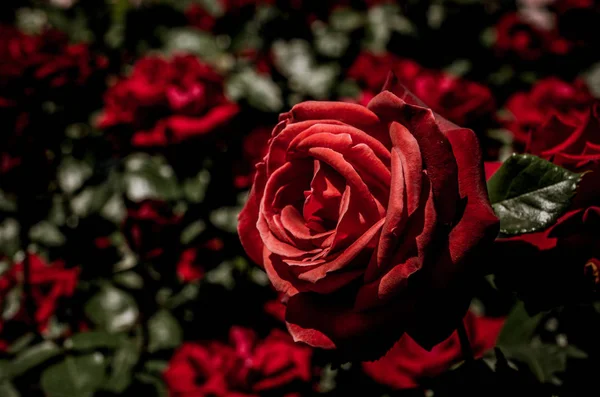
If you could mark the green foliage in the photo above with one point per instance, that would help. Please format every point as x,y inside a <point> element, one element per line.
<point>518,341</point>
<point>112,309</point>
<point>164,332</point>
<point>77,376</point>
<point>32,357</point>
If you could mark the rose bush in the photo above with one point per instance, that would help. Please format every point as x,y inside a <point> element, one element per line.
<point>368,220</point>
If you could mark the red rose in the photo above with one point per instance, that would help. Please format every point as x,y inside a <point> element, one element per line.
<point>255,148</point>
<point>407,362</point>
<point>358,214</point>
<point>461,101</point>
<point>370,70</point>
<point>548,96</point>
<point>458,100</point>
<point>152,230</point>
<point>245,367</point>
<point>573,143</point>
<point>192,262</point>
<point>49,283</point>
<point>167,101</point>
<point>516,36</point>
<point>198,17</point>
<point>33,68</point>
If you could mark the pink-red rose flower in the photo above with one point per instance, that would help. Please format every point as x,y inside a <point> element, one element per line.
<point>49,283</point>
<point>529,110</point>
<point>517,37</point>
<point>460,101</point>
<point>245,367</point>
<point>167,101</point>
<point>407,362</point>
<point>368,219</point>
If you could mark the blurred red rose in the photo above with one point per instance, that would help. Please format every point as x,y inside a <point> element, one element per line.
<point>167,101</point>
<point>254,149</point>
<point>461,101</point>
<point>548,96</point>
<point>152,230</point>
<point>199,18</point>
<point>34,68</point>
<point>245,367</point>
<point>341,216</point>
<point>571,142</point>
<point>407,362</point>
<point>194,261</point>
<point>49,283</point>
<point>458,100</point>
<point>370,70</point>
<point>516,36</point>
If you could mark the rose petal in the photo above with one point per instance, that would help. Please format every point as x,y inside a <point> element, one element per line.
<point>436,150</point>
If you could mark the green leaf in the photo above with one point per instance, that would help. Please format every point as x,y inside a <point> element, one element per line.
<point>529,194</point>
<point>192,231</point>
<point>156,367</point>
<point>7,203</point>
<point>194,188</point>
<point>32,357</point>
<point>518,342</point>
<point>519,327</point>
<point>11,303</point>
<point>8,390</point>
<point>331,43</point>
<point>72,174</point>
<point>543,360</point>
<point>346,19</point>
<point>119,10</point>
<point>74,376</point>
<point>191,41</point>
<point>260,91</point>
<point>21,343</point>
<point>92,340</point>
<point>47,234</point>
<point>9,237</point>
<point>112,309</point>
<point>125,358</point>
<point>129,279</point>
<point>150,178</point>
<point>156,382</point>
<point>164,331</point>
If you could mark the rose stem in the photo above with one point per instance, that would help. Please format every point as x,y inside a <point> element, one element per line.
<point>465,345</point>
